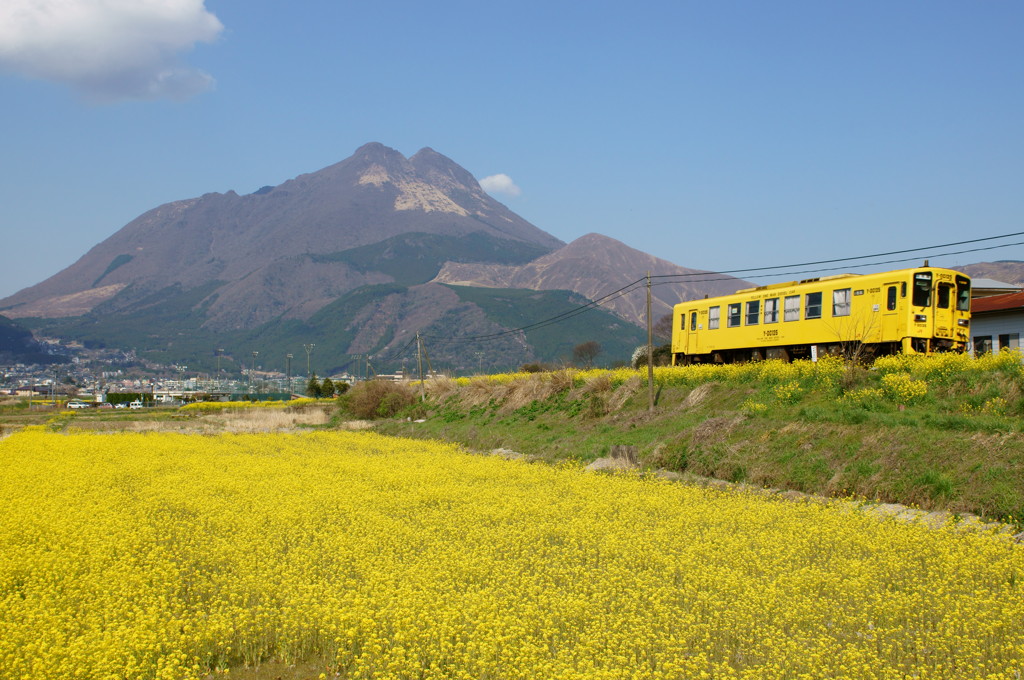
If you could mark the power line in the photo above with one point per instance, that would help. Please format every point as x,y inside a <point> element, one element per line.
<point>864,257</point>
<point>828,269</point>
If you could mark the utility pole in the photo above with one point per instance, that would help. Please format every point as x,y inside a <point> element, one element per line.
<point>288,361</point>
<point>419,363</point>
<point>650,349</point>
<point>309,350</point>
<point>218,352</point>
<point>252,370</point>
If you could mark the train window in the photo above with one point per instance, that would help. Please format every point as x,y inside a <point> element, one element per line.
<point>771,310</point>
<point>813,306</point>
<point>963,294</point>
<point>841,302</point>
<point>890,298</point>
<point>792,308</point>
<point>693,321</point>
<point>713,314</point>
<point>734,315</point>
<point>942,299</point>
<point>753,311</point>
<point>922,296</point>
<point>682,321</point>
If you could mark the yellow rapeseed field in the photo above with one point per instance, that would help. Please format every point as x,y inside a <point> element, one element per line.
<point>171,556</point>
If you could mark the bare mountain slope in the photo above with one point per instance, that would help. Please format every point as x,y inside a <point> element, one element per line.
<point>1007,271</point>
<point>594,266</point>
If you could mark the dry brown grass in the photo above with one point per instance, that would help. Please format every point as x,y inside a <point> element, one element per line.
<point>441,387</point>
<point>240,420</point>
<point>480,392</point>
<point>625,391</point>
<point>697,395</point>
<point>537,387</point>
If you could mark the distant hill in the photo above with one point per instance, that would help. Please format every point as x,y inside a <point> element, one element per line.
<point>17,346</point>
<point>595,265</point>
<point>355,258</point>
<point>1007,271</point>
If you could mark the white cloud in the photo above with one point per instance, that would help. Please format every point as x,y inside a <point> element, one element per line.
<point>108,49</point>
<point>500,184</point>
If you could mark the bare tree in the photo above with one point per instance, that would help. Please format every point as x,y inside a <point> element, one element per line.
<point>585,353</point>
<point>663,328</point>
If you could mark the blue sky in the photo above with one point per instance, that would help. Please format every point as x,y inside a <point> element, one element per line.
<point>719,135</point>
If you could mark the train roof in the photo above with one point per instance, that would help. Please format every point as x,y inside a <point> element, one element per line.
<point>833,277</point>
<point>787,284</point>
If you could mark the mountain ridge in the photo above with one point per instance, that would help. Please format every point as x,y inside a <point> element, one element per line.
<point>595,266</point>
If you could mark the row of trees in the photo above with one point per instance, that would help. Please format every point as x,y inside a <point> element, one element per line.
<point>325,389</point>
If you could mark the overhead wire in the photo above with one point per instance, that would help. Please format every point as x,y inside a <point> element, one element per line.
<point>828,269</point>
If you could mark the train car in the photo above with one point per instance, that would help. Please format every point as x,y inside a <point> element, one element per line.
<point>914,311</point>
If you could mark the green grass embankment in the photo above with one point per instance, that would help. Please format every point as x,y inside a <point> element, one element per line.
<point>942,433</point>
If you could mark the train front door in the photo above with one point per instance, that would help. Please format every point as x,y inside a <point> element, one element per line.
<point>945,310</point>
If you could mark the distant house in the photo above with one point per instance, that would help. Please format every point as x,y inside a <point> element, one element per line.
<point>981,288</point>
<point>997,322</point>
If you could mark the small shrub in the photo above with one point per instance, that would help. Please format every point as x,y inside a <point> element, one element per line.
<point>788,393</point>
<point>378,399</point>
<point>902,389</point>
<point>753,407</point>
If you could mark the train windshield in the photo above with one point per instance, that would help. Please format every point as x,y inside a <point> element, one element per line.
<point>922,296</point>
<point>963,294</point>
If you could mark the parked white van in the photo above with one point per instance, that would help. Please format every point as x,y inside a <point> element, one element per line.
<point>135,404</point>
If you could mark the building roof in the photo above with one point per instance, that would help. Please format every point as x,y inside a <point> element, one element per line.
<point>985,287</point>
<point>997,303</point>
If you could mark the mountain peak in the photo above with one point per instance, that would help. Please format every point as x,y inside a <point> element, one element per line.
<point>375,150</point>
<point>433,165</point>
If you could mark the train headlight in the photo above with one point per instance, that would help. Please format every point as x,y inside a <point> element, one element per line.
<point>920,318</point>
<point>963,322</point>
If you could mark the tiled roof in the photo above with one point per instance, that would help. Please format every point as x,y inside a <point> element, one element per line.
<point>997,303</point>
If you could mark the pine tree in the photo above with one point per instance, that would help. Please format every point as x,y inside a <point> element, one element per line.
<point>327,388</point>
<point>313,388</point>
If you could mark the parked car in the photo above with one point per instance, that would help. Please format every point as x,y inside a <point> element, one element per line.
<point>135,404</point>
<point>104,404</point>
<point>121,405</point>
<point>77,404</point>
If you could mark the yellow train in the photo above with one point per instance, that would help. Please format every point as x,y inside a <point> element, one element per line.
<point>915,311</point>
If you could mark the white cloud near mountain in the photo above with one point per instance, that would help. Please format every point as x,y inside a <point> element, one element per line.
<point>500,184</point>
<point>108,49</point>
